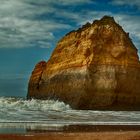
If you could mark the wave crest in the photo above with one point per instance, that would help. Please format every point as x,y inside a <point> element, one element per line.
<point>33,104</point>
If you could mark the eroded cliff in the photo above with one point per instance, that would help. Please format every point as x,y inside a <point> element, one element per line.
<point>94,67</point>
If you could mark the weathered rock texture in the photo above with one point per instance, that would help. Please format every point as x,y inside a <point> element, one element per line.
<point>94,67</point>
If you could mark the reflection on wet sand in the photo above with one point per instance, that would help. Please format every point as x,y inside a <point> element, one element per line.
<point>25,128</point>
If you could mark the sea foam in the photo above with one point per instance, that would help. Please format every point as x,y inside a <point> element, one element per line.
<point>50,112</point>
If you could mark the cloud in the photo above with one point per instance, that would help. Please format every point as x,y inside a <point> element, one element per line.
<point>27,23</point>
<point>20,32</point>
<point>19,27</point>
<point>62,2</point>
<point>70,2</point>
<point>22,22</point>
<point>126,2</point>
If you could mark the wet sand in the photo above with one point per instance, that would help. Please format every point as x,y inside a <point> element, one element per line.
<point>101,132</point>
<point>127,135</point>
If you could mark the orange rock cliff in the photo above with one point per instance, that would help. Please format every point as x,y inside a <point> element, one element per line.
<point>94,67</point>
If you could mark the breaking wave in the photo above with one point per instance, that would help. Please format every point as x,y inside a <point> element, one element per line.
<point>32,105</point>
<point>55,112</point>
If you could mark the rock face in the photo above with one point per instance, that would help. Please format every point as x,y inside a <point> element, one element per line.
<point>94,67</point>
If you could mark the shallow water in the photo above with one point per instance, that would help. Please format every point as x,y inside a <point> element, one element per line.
<point>17,114</point>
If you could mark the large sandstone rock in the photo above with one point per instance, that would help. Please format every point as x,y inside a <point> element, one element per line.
<point>94,67</point>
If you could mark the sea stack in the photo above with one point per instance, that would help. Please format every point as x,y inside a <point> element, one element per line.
<point>95,67</point>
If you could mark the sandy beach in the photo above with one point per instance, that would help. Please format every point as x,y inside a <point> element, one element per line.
<point>127,135</point>
<point>96,132</point>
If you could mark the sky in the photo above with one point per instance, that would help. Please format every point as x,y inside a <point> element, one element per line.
<point>30,30</point>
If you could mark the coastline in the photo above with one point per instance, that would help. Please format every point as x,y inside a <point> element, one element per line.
<point>75,132</point>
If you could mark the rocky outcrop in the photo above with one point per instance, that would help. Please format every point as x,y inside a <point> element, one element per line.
<point>94,67</point>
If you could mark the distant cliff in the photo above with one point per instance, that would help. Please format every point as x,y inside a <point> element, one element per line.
<point>94,67</point>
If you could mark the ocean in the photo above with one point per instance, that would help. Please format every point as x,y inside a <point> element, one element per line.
<point>18,115</point>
